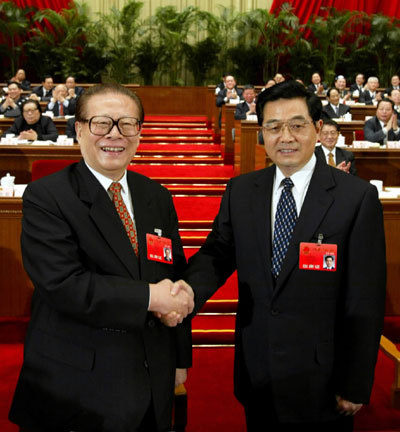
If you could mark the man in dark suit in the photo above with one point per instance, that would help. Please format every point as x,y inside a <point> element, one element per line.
<point>317,86</point>
<point>59,104</point>
<point>248,106</point>
<point>394,85</point>
<point>306,338</point>
<point>96,358</point>
<point>74,91</point>
<point>11,104</point>
<point>334,109</point>
<point>395,97</point>
<point>230,93</point>
<point>385,126</point>
<point>44,91</point>
<point>340,85</point>
<point>358,86</point>
<point>370,95</point>
<point>329,153</point>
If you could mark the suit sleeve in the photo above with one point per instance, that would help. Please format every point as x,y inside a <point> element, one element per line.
<point>362,304</point>
<point>66,278</point>
<point>353,169</point>
<point>49,130</point>
<point>370,134</point>
<point>221,98</point>
<point>215,262</point>
<point>240,112</point>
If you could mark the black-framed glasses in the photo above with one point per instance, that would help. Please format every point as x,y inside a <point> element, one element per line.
<point>295,126</point>
<point>102,125</point>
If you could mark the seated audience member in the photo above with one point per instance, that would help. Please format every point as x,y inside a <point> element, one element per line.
<point>395,97</point>
<point>334,109</point>
<point>59,103</point>
<point>10,105</point>
<point>270,83</point>
<point>394,84</point>
<point>20,77</point>
<point>317,86</point>
<point>221,85</point>
<point>229,93</point>
<point>248,106</point>
<point>370,96</point>
<point>278,78</point>
<point>44,91</point>
<point>332,155</point>
<point>358,87</point>
<point>70,129</point>
<point>340,85</point>
<point>300,81</point>
<point>74,91</point>
<point>384,126</point>
<point>32,125</point>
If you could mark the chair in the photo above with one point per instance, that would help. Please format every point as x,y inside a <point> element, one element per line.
<point>358,135</point>
<point>44,167</point>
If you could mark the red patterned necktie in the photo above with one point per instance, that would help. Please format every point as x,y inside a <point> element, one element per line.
<point>61,109</point>
<point>126,219</point>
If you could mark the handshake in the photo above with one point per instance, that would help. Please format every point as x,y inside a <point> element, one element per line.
<point>171,302</point>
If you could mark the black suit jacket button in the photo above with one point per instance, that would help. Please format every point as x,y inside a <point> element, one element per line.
<point>274,312</point>
<point>151,323</point>
<point>145,364</point>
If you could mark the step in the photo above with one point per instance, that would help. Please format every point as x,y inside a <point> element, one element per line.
<point>178,152</point>
<point>175,118</point>
<point>177,132</point>
<point>177,140</point>
<point>195,160</point>
<point>179,125</point>
<point>203,190</point>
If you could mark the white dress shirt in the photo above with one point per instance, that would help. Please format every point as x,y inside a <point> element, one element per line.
<point>301,180</point>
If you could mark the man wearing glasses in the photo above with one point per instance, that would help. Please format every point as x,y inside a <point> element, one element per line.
<point>332,155</point>
<point>306,338</point>
<point>96,357</point>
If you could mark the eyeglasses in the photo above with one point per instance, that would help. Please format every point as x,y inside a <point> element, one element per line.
<point>30,111</point>
<point>295,126</point>
<point>329,133</point>
<point>102,125</point>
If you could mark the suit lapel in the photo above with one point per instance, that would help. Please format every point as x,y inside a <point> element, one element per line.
<point>316,203</point>
<point>261,200</point>
<point>104,216</point>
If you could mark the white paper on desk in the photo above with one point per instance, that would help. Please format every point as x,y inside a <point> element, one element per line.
<point>42,143</point>
<point>388,195</point>
<point>252,117</point>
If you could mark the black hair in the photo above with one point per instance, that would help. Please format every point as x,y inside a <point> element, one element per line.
<point>289,90</point>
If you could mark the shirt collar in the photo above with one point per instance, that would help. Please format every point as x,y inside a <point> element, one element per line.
<point>106,182</point>
<point>327,151</point>
<point>299,178</point>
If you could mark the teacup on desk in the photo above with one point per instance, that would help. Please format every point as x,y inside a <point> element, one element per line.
<point>64,140</point>
<point>9,139</point>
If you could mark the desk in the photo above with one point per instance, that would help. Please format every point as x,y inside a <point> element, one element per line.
<point>348,127</point>
<point>16,288</point>
<point>18,159</point>
<point>359,112</point>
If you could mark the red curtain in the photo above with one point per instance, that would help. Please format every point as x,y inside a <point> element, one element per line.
<point>56,5</point>
<point>304,9</point>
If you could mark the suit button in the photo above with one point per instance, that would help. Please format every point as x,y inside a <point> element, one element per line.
<point>145,364</point>
<point>151,323</point>
<point>274,312</point>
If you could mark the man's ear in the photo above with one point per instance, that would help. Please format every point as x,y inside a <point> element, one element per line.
<point>78,130</point>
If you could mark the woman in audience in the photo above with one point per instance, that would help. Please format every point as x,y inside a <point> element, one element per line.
<point>20,77</point>
<point>32,125</point>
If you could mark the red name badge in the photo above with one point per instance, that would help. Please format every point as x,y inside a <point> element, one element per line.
<point>159,249</point>
<point>318,256</point>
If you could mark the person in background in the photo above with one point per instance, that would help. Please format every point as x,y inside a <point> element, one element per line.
<point>395,97</point>
<point>370,95</point>
<point>340,85</point>
<point>384,126</point>
<point>10,105</point>
<point>32,125</point>
<point>20,77</point>
<point>70,129</point>
<point>248,106</point>
<point>59,104</point>
<point>394,85</point>
<point>44,91</point>
<point>332,155</point>
<point>317,86</point>
<point>358,87</point>
<point>278,78</point>
<point>229,93</point>
<point>74,91</point>
<point>334,109</point>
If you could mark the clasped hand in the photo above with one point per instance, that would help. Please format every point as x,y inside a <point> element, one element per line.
<point>171,302</point>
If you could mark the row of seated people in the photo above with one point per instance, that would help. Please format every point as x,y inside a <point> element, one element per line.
<point>384,126</point>
<point>61,98</point>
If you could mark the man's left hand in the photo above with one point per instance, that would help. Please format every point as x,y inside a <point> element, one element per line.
<point>346,407</point>
<point>343,166</point>
<point>180,376</point>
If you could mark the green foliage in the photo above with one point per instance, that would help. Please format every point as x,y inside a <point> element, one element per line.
<point>14,22</point>
<point>194,46</point>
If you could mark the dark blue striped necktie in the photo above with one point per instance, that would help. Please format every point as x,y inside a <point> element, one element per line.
<point>285,220</point>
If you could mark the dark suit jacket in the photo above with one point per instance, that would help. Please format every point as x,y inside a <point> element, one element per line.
<point>365,97</point>
<point>311,334</point>
<point>313,89</point>
<point>45,128</point>
<point>39,91</point>
<point>328,112</point>
<point>241,110</point>
<point>355,87</point>
<point>222,95</point>
<point>373,131</point>
<point>94,357</point>
<point>9,111</point>
<point>70,129</point>
<point>69,110</point>
<point>341,155</point>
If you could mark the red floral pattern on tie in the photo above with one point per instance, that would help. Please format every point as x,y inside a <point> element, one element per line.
<point>126,219</point>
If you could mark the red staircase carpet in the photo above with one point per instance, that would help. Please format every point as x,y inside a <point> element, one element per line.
<point>181,153</point>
